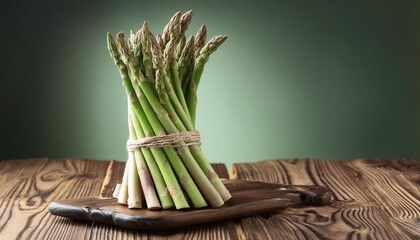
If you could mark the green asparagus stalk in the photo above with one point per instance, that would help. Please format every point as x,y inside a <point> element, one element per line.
<point>147,183</point>
<point>164,196</point>
<point>179,47</point>
<point>199,42</point>
<point>136,46</point>
<point>157,117</point>
<point>185,21</point>
<point>160,76</point>
<point>200,61</point>
<point>184,62</point>
<point>162,64</point>
<point>131,40</point>
<point>220,192</point>
<point>159,40</point>
<point>187,125</point>
<point>166,170</point>
<point>171,30</point>
<point>171,66</point>
<point>146,60</point>
<point>175,125</point>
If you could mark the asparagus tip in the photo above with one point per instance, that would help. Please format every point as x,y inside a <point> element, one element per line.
<point>120,35</point>
<point>145,26</point>
<point>200,39</point>
<point>185,21</point>
<point>203,28</point>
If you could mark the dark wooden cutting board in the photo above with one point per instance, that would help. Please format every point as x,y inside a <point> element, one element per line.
<point>248,198</point>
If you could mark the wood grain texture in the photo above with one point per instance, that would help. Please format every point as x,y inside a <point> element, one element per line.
<point>374,199</point>
<point>30,185</point>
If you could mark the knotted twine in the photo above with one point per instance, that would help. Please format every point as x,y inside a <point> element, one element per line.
<point>171,140</point>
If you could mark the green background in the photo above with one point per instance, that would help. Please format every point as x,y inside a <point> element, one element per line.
<point>320,79</point>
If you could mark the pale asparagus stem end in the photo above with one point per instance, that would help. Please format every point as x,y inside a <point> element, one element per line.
<point>116,190</point>
<point>135,191</point>
<point>123,193</point>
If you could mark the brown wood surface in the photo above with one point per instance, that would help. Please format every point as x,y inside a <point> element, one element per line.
<point>374,199</point>
<point>249,198</point>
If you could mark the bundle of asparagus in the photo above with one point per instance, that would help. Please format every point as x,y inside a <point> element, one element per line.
<point>166,167</point>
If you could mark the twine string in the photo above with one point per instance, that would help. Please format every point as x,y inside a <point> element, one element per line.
<point>171,140</point>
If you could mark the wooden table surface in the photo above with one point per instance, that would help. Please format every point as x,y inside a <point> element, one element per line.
<point>373,199</point>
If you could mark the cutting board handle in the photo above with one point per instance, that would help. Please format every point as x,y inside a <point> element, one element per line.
<point>310,195</point>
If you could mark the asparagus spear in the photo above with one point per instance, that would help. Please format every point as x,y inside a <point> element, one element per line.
<point>146,61</point>
<point>175,125</point>
<point>157,117</point>
<point>166,170</point>
<point>164,196</point>
<point>184,62</point>
<point>134,199</point>
<point>136,49</point>
<point>123,193</point>
<point>116,190</point>
<point>179,47</point>
<point>159,40</point>
<point>212,193</point>
<point>185,21</point>
<point>171,30</point>
<point>186,125</point>
<point>171,66</point>
<point>200,41</point>
<point>162,64</point>
<point>161,77</point>
<point>200,61</point>
<point>146,180</point>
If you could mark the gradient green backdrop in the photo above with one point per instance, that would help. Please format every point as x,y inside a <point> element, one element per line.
<point>322,79</point>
